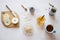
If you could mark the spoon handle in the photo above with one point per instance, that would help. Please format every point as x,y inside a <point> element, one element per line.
<point>42,17</point>
<point>9,8</point>
<point>24,8</point>
<point>11,11</point>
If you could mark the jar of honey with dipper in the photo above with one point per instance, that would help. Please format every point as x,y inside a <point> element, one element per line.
<point>41,20</point>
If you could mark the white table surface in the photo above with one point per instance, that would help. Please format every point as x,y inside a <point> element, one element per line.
<point>41,8</point>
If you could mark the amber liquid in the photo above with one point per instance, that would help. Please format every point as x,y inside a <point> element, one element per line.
<point>40,21</point>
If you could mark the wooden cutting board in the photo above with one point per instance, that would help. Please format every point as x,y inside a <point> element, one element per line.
<point>10,16</point>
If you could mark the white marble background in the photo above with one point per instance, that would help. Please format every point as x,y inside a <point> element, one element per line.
<point>41,8</point>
